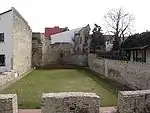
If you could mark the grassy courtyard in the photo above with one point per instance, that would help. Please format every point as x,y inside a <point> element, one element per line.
<point>30,88</point>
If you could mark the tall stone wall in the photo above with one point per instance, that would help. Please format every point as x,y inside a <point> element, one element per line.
<point>134,101</point>
<point>132,74</point>
<point>36,49</point>
<point>22,44</point>
<point>44,53</point>
<point>52,54</point>
<point>70,102</point>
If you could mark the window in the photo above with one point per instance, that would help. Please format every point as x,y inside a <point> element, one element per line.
<point>2,60</point>
<point>1,37</point>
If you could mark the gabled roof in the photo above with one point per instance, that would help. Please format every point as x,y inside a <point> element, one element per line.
<point>5,12</point>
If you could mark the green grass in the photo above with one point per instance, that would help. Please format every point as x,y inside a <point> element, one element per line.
<point>30,88</point>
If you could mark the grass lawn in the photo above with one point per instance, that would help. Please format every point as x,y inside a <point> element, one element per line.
<point>30,88</point>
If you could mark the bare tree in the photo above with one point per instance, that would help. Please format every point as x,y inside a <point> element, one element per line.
<point>120,24</point>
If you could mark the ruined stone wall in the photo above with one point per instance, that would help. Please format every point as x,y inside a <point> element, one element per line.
<point>36,49</point>
<point>51,54</point>
<point>48,55</point>
<point>70,102</point>
<point>132,74</point>
<point>134,101</point>
<point>22,44</point>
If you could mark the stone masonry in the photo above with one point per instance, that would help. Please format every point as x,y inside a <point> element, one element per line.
<point>45,54</point>
<point>8,103</point>
<point>132,74</point>
<point>22,44</point>
<point>70,102</point>
<point>36,49</point>
<point>134,101</point>
<point>7,77</point>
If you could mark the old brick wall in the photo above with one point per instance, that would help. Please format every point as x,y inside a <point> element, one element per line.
<point>132,74</point>
<point>70,102</point>
<point>134,101</point>
<point>22,44</point>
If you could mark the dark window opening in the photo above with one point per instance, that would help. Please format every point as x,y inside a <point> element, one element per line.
<point>1,37</point>
<point>2,60</point>
<point>61,55</point>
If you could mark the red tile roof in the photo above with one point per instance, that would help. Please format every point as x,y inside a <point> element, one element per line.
<point>52,31</point>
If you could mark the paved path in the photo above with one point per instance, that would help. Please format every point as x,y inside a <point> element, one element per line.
<point>102,109</point>
<point>29,111</point>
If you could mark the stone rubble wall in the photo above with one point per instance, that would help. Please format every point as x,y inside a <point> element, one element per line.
<point>134,101</point>
<point>7,77</point>
<point>36,49</point>
<point>132,74</point>
<point>22,44</point>
<point>70,102</point>
<point>44,53</point>
<point>8,103</point>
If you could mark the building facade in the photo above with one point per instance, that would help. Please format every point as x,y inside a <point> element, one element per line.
<point>64,37</point>
<point>82,40</point>
<point>15,42</point>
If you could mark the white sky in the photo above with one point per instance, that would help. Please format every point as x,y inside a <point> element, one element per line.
<point>76,13</point>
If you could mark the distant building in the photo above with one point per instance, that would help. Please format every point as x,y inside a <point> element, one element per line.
<point>138,47</point>
<point>64,37</point>
<point>15,42</point>
<point>49,31</point>
<point>82,40</point>
<point>109,42</point>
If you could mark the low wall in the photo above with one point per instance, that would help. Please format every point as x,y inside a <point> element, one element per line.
<point>70,102</point>
<point>134,101</point>
<point>8,103</point>
<point>132,74</point>
<point>7,77</point>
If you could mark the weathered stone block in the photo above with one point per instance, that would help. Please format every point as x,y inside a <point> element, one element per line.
<point>134,101</point>
<point>70,102</point>
<point>8,103</point>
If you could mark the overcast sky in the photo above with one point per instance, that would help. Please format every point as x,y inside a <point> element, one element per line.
<point>76,13</point>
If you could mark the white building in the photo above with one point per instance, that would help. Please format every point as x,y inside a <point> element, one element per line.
<point>64,36</point>
<point>15,42</point>
<point>108,46</point>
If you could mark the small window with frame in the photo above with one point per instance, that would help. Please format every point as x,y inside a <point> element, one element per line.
<point>2,60</point>
<point>1,37</point>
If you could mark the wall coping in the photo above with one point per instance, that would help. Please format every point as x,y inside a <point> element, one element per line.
<point>69,94</point>
<point>137,92</point>
<point>7,96</point>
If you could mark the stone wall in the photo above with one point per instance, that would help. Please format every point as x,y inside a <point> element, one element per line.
<point>7,77</point>
<point>132,74</point>
<point>22,44</point>
<point>70,102</point>
<point>44,53</point>
<point>36,49</point>
<point>134,101</point>
<point>8,103</point>
<point>51,54</point>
